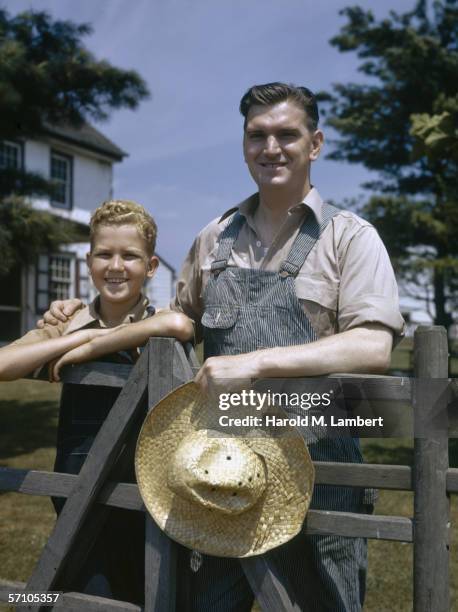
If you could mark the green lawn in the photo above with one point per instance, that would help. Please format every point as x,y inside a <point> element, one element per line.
<point>401,358</point>
<point>28,421</point>
<point>28,412</point>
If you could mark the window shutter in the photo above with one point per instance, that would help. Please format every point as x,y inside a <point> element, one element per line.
<point>42,283</point>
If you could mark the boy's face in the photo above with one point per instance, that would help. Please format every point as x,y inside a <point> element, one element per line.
<point>119,263</point>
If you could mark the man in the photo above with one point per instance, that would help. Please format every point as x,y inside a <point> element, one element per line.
<point>283,286</point>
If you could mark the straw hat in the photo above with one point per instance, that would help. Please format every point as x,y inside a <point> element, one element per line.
<point>224,496</point>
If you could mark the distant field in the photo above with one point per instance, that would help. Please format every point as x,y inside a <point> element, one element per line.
<point>28,420</point>
<point>402,357</point>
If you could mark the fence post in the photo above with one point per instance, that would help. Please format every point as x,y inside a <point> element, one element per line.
<point>431,503</point>
<point>168,368</point>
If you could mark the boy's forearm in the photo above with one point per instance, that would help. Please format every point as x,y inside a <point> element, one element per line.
<point>20,360</point>
<point>136,334</point>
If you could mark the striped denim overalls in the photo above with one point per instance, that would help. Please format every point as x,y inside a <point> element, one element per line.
<point>246,310</point>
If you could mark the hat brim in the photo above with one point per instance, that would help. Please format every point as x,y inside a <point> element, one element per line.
<point>276,517</point>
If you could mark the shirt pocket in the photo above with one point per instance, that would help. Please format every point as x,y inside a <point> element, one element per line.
<point>219,317</point>
<point>319,299</point>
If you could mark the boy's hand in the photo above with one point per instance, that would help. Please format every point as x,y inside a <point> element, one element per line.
<point>84,352</point>
<point>60,310</point>
<point>76,355</point>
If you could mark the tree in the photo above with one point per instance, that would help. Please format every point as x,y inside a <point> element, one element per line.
<point>436,136</point>
<point>400,124</point>
<point>38,231</point>
<point>47,75</point>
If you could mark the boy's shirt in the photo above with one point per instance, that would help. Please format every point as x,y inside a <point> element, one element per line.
<point>86,317</point>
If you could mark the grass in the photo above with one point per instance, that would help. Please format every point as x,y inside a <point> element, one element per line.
<point>28,419</point>
<point>390,579</point>
<point>401,358</point>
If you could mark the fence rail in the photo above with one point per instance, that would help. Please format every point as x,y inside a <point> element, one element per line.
<point>164,365</point>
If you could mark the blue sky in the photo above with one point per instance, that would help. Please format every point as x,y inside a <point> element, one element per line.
<point>198,58</point>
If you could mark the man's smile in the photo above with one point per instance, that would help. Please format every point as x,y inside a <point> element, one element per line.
<point>115,281</point>
<point>273,164</point>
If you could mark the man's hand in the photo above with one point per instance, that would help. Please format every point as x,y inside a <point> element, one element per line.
<point>227,373</point>
<point>60,310</point>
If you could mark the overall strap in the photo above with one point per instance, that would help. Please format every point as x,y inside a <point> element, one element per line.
<point>309,233</point>
<point>225,242</point>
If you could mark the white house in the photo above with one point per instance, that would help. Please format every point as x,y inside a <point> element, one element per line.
<point>80,162</point>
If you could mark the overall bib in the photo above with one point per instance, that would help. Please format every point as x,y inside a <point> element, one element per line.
<point>114,567</point>
<point>247,310</point>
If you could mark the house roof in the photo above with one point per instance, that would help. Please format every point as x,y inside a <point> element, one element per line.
<point>87,137</point>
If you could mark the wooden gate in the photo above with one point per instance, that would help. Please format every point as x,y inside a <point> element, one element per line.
<point>165,364</point>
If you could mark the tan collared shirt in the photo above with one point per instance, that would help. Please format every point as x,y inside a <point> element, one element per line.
<point>346,281</point>
<point>86,317</point>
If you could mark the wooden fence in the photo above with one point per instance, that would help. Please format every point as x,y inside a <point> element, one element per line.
<point>165,364</point>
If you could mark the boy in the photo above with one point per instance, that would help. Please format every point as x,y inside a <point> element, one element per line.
<point>121,258</point>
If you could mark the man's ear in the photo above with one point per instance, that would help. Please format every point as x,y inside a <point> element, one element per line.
<point>317,143</point>
<point>153,263</point>
<point>243,146</point>
<point>88,260</point>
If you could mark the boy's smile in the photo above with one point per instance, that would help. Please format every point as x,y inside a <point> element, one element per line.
<point>119,265</point>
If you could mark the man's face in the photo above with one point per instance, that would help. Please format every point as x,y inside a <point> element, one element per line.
<point>278,146</point>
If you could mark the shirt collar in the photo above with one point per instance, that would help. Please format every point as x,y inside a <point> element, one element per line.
<point>90,314</point>
<point>312,201</point>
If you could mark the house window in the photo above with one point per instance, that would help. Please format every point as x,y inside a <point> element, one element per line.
<point>61,175</point>
<point>83,283</point>
<point>10,155</point>
<point>60,277</point>
<point>55,279</point>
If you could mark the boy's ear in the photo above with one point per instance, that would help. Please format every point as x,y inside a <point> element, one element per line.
<point>88,259</point>
<point>153,263</point>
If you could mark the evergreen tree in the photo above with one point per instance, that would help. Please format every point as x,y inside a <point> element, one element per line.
<point>48,76</point>
<point>402,124</point>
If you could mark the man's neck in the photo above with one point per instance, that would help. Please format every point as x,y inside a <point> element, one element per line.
<point>274,204</point>
<point>281,199</point>
<point>115,314</point>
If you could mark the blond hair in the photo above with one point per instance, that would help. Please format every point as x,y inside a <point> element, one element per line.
<point>125,212</point>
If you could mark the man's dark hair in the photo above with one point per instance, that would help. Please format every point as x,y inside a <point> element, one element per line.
<point>273,93</point>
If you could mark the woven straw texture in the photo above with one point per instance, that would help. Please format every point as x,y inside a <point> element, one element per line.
<point>229,497</point>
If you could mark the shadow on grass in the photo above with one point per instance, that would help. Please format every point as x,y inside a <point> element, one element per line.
<point>379,452</point>
<point>401,454</point>
<point>26,426</point>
